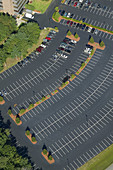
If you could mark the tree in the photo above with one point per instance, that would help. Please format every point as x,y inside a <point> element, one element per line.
<point>44,151</point>
<point>76,35</point>
<point>9,158</point>
<point>22,111</point>
<point>27,132</point>
<point>69,33</point>
<point>101,44</point>
<point>33,139</point>
<point>50,157</point>
<point>56,9</point>
<point>83,64</point>
<point>17,120</point>
<point>1,99</point>
<point>31,106</point>
<point>9,111</point>
<point>91,40</point>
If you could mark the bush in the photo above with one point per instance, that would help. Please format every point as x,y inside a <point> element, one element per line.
<point>91,40</point>
<point>72,76</point>
<point>22,111</point>
<point>31,106</point>
<point>37,102</point>
<point>101,44</point>
<point>50,157</point>
<point>27,132</point>
<point>56,9</point>
<point>92,52</point>
<point>33,139</point>
<point>69,33</point>
<point>76,35</point>
<point>83,64</point>
<point>43,98</point>
<point>1,99</point>
<point>17,120</point>
<point>56,28</point>
<point>9,111</point>
<point>55,91</point>
<point>44,151</point>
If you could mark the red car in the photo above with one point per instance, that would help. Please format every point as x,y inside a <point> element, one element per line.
<point>68,22</point>
<point>60,48</point>
<point>71,23</point>
<point>48,38</point>
<point>75,4</point>
<point>39,49</point>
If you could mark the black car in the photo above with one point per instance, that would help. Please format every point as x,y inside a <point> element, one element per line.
<point>93,29</point>
<point>80,26</point>
<point>83,19</point>
<point>86,28</point>
<point>81,5</point>
<point>71,15</point>
<point>77,25</point>
<point>74,25</point>
<point>83,27</point>
<point>28,58</point>
<point>19,63</point>
<point>62,13</point>
<point>68,51</point>
<point>69,2</point>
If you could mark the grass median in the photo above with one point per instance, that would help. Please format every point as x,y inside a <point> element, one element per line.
<point>38,5</point>
<point>101,161</point>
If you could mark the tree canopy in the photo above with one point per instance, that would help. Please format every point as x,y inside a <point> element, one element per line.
<point>9,158</point>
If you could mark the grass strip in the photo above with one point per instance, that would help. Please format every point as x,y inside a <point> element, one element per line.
<point>101,161</point>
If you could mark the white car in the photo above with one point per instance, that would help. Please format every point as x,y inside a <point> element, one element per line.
<point>96,31</point>
<point>73,41</point>
<point>89,29</point>
<point>87,50</point>
<point>64,56</point>
<point>68,15</point>
<point>42,45</point>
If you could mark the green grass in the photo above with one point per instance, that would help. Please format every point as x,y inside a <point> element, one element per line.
<point>39,5</point>
<point>56,16</point>
<point>101,161</point>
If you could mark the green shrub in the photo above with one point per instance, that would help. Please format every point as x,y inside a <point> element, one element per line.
<point>69,33</point>
<point>31,106</point>
<point>92,52</point>
<point>91,40</point>
<point>43,98</point>
<point>62,1</point>
<point>27,132</point>
<point>1,99</point>
<point>101,44</point>
<point>56,28</point>
<point>72,76</point>
<point>17,120</point>
<point>37,102</point>
<point>83,64</point>
<point>55,91</point>
<point>56,9</point>
<point>9,111</point>
<point>44,151</point>
<point>76,35</point>
<point>33,139</point>
<point>77,72</point>
<point>50,157</point>
<point>22,111</point>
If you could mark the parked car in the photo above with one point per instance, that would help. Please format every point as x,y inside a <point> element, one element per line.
<point>68,15</point>
<point>39,49</point>
<point>48,38</point>
<point>68,22</point>
<point>67,51</point>
<point>96,31</point>
<point>83,27</point>
<point>42,45</point>
<point>93,29</point>
<point>65,14</point>
<point>71,23</point>
<point>4,92</point>
<point>89,29</point>
<point>1,94</point>
<point>60,48</point>
<point>86,29</point>
<point>75,4</point>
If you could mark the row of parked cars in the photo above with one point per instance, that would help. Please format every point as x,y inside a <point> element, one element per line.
<point>84,3</point>
<point>44,44</point>
<point>75,24</point>
<point>65,48</point>
<point>46,41</point>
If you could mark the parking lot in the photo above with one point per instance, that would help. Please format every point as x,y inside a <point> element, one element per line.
<point>91,7</point>
<point>75,124</point>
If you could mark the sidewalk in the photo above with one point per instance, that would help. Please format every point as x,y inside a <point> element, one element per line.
<point>110,167</point>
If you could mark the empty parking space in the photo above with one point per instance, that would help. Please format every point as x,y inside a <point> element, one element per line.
<point>82,133</point>
<point>103,144</point>
<point>60,94</point>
